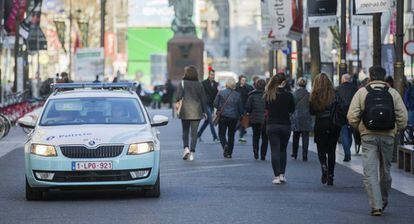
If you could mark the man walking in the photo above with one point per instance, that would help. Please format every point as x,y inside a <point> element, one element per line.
<point>378,111</point>
<point>346,91</point>
<point>211,89</point>
<point>243,88</point>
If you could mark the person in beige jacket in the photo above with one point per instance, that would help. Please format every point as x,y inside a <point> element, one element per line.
<point>377,145</point>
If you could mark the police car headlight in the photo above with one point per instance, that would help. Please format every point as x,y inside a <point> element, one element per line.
<point>43,150</point>
<point>140,148</point>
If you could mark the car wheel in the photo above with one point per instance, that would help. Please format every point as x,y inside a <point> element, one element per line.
<point>33,194</point>
<point>155,192</point>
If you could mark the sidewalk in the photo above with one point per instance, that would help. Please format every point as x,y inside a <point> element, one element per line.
<point>401,181</point>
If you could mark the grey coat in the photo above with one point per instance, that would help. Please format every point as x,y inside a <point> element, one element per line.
<point>194,100</point>
<point>234,108</point>
<point>301,118</point>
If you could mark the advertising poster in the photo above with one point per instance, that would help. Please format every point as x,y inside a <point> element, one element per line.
<point>150,13</point>
<point>89,62</point>
<point>388,58</point>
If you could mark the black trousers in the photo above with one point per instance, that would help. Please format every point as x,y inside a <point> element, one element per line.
<point>227,126</point>
<point>279,138</point>
<point>305,143</point>
<point>259,131</point>
<point>326,146</point>
<point>190,125</point>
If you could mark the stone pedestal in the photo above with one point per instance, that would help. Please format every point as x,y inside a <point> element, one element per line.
<point>184,51</point>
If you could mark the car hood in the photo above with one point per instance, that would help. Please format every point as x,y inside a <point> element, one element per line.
<point>92,135</point>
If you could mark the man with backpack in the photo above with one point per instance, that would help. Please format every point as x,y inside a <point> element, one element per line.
<point>378,112</point>
<point>346,92</point>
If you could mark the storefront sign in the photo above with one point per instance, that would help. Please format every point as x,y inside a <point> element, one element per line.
<point>372,6</point>
<point>322,13</point>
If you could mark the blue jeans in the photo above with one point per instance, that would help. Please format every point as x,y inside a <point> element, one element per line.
<point>346,136</point>
<point>207,122</point>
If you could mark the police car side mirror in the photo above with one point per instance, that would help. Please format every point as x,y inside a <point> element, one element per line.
<point>159,120</point>
<point>27,122</point>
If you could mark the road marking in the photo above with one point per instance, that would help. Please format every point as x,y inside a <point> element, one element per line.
<point>199,169</point>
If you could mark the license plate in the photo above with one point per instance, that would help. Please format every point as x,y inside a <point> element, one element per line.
<point>79,166</point>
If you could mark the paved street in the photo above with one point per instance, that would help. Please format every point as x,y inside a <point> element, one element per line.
<point>207,190</point>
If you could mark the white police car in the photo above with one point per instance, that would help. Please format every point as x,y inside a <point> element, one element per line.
<point>92,136</point>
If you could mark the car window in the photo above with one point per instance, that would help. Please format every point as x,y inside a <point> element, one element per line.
<point>94,110</point>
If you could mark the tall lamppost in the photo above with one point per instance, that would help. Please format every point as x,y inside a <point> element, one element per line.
<point>399,62</point>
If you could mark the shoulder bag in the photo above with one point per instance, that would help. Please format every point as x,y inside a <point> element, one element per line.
<point>179,103</point>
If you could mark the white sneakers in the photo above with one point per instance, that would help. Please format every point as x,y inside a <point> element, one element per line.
<point>191,157</point>
<point>276,180</point>
<point>281,179</point>
<point>186,153</point>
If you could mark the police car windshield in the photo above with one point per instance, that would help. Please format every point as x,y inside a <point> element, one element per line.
<point>94,110</point>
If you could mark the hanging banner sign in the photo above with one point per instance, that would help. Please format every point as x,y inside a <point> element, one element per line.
<point>372,6</point>
<point>266,25</point>
<point>280,14</point>
<point>296,30</point>
<point>322,13</point>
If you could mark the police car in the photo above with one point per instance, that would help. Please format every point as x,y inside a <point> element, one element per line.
<point>92,136</point>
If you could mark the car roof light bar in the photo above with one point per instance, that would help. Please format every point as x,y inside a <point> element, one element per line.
<point>110,86</point>
<point>92,85</point>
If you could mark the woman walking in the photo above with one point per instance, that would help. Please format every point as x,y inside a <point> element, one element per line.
<point>279,105</point>
<point>301,120</point>
<point>229,109</point>
<point>193,109</point>
<point>326,132</point>
<point>255,107</point>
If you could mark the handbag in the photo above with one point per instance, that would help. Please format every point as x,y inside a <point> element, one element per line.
<point>216,118</point>
<point>179,103</point>
<point>245,121</point>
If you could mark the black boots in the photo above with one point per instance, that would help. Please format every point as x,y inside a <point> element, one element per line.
<point>324,177</point>
<point>330,180</point>
<point>256,154</point>
<point>347,158</point>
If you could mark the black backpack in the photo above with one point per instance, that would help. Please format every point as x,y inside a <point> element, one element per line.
<point>379,113</point>
<point>338,112</point>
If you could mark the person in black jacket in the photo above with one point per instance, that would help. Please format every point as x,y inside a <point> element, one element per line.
<point>280,104</point>
<point>326,132</point>
<point>346,92</point>
<point>243,88</point>
<point>255,107</point>
<point>211,89</point>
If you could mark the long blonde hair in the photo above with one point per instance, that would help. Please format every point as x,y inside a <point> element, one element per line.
<point>322,94</point>
<point>272,87</point>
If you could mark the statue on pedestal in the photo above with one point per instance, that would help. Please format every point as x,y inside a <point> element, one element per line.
<point>183,23</point>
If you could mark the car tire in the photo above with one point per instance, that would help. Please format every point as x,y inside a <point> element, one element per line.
<point>155,192</point>
<point>33,194</point>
